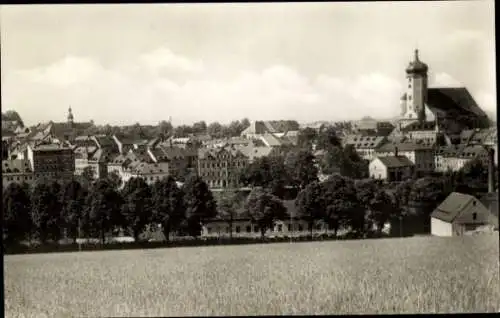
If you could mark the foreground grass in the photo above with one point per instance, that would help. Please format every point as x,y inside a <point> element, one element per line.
<point>412,275</point>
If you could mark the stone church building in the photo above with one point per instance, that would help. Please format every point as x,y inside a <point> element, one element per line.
<point>435,114</point>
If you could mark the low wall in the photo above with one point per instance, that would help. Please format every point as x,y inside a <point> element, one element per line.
<point>61,248</point>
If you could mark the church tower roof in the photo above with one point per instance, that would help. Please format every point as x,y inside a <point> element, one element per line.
<point>416,66</point>
<point>70,115</point>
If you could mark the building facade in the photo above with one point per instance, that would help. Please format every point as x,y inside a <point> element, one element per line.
<point>221,168</point>
<point>16,171</point>
<point>52,161</point>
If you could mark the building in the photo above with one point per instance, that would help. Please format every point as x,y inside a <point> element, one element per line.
<point>150,172</point>
<point>454,158</point>
<point>16,171</point>
<point>368,126</point>
<point>180,160</point>
<point>51,161</point>
<point>221,168</point>
<point>82,155</point>
<point>391,168</point>
<point>278,128</point>
<point>365,146</point>
<point>453,109</point>
<point>68,130</point>
<point>457,214</point>
<point>420,154</point>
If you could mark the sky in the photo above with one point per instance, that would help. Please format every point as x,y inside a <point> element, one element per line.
<point>122,64</point>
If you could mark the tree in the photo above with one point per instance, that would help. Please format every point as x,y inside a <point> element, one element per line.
<point>301,168</point>
<point>381,209</point>
<point>333,161</point>
<point>45,211</point>
<point>16,213</point>
<point>328,138</point>
<point>165,128</point>
<point>114,180</point>
<point>200,127</point>
<point>228,208</point>
<point>167,205</point>
<point>88,176</point>
<point>341,204</point>
<point>310,204</point>
<point>104,207</point>
<point>215,130</point>
<point>307,137</point>
<point>199,202</point>
<point>264,209</point>
<point>426,194</point>
<point>73,203</point>
<point>136,208</point>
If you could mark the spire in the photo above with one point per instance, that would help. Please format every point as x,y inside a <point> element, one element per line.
<point>416,55</point>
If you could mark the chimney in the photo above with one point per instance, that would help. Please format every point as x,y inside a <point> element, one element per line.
<point>395,151</point>
<point>491,168</point>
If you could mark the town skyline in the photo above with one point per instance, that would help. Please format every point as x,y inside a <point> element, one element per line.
<point>146,63</point>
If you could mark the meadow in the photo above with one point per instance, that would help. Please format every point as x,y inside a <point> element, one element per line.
<point>410,275</point>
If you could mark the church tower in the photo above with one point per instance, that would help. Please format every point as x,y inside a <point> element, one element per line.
<point>70,117</point>
<point>416,92</point>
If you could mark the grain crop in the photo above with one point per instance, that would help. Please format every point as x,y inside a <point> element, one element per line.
<point>410,275</point>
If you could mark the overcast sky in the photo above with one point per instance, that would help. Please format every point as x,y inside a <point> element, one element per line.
<point>121,64</point>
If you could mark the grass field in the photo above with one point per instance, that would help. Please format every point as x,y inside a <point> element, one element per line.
<point>411,275</point>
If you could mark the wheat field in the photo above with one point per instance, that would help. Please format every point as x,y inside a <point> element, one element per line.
<point>411,275</point>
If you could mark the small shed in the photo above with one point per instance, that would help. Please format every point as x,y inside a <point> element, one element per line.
<point>457,214</point>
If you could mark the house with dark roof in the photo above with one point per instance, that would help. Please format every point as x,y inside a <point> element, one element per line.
<point>455,157</point>
<point>420,154</point>
<point>365,146</point>
<point>458,214</point>
<point>391,168</point>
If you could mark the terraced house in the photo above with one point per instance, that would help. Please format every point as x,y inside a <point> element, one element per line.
<point>16,171</point>
<point>455,157</point>
<point>181,161</point>
<point>150,172</point>
<point>221,167</point>
<point>365,146</point>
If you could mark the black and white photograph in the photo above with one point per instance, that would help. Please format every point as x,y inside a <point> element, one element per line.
<point>249,159</point>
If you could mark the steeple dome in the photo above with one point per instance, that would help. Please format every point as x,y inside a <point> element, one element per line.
<point>416,66</point>
<point>70,115</point>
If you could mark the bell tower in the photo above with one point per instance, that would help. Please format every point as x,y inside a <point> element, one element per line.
<point>416,92</point>
<point>70,117</point>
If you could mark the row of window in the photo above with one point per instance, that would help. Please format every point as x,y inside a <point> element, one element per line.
<point>224,164</point>
<point>256,229</point>
<point>18,178</point>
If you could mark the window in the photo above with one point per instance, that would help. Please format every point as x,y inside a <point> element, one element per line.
<point>473,203</point>
<point>300,228</point>
<point>237,229</point>
<point>249,229</point>
<point>474,215</point>
<point>280,228</point>
<point>289,227</point>
<point>256,229</point>
<point>227,229</point>
<point>209,229</point>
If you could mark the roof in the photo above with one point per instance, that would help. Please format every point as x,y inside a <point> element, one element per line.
<point>50,147</point>
<point>457,99</point>
<point>144,168</point>
<point>452,206</point>
<point>396,162</point>
<point>403,146</point>
<point>416,66</point>
<point>271,140</point>
<point>16,166</point>
<point>253,152</point>
<point>256,128</point>
<point>360,141</point>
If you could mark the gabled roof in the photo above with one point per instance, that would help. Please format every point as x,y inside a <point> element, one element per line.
<point>271,140</point>
<point>403,146</point>
<point>453,98</point>
<point>363,142</point>
<point>452,206</point>
<point>396,162</point>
